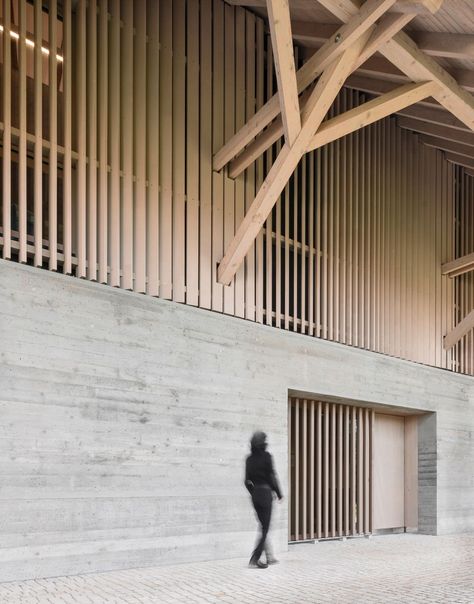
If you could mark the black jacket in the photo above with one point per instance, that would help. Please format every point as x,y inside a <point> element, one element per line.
<point>259,472</point>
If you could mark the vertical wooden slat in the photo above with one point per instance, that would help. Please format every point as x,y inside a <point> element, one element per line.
<point>353,471</point>
<point>38,162</point>
<point>126,144</point>
<point>302,276</point>
<point>239,117</point>
<point>103,104</point>
<point>92,140</point>
<point>278,309</point>
<point>346,470</point>
<point>229,129</point>
<point>139,145</point>
<point>259,258</point>
<point>296,232</point>
<point>305,470</point>
<point>286,285</point>
<point>7,104</point>
<point>192,154</point>
<point>336,231</point>
<point>311,468</point>
<point>340,447</point>
<point>324,241</point>
<point>67,125</point>
<point>166,150</point>
<point>205,142</point>
<point>297,471</point>
<point>319,465</point>
<point>360,471</point>
<point>53,137</point>
<point>326,462</point>
<point>269,221</point>
<point>333,468</point>
<point>114,129</point>
<point>342,241</point>
<point>350,231</point>
<point>218,141</point>
<point>371,463</point>
<point>367,454</point>
<point>290,472</point>
<point>22,159</point>
<point>329,234</point>
<point>81,123</point>
<point>318,244</point>
<point>361,236</point>
<point>249,93</point>
<point>311,267</point>
<point>356,341</point>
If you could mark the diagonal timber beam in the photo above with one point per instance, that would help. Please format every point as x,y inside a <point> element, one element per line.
<point>459,331</point>
<point>282,45</point>
<point>361,22</point>
<point>370,112</point>
<point>322,97</point>
<point>418,66</point>
<point>459,266</point>
<point>382,32</point>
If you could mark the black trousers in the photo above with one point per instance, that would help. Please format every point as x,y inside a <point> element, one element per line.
<point>262,499</point>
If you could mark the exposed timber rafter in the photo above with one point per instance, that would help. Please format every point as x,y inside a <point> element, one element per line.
<point>461,329</point>
<point>361,22</point>
<point>420,6</point>
<point>370,112</point>
<point>461,160</point>
<point>435,44</point>
<point>381,33</point>
<point>282,45</point>
<point>418,66</point>
<point>322,97</point>
<point>444,132</point>
<point>446,145</point>
<point>462,265</point>
<point>426,111</point>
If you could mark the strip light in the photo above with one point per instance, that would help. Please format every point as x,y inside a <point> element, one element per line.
<point>31,44</point>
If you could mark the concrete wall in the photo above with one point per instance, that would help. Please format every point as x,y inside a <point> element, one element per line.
<point>125,420</point>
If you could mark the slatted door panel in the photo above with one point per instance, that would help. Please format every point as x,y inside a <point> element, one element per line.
<point>330,473</point>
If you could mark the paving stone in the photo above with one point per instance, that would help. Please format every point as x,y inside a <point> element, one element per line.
<point>390,569</point>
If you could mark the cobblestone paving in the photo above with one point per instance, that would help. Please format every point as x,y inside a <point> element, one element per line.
<point>384,569</point>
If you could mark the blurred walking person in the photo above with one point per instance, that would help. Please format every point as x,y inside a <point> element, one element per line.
<point>262,483</point>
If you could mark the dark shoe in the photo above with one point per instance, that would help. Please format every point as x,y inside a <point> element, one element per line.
<point>272,561</point>
<point>257,564</point>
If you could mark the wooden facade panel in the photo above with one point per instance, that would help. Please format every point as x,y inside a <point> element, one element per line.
<point>330,470</point>
<point>110,178</point>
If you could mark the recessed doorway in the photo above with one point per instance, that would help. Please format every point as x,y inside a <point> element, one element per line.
<point>352,470</point>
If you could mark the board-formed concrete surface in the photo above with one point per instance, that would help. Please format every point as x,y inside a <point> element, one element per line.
<point>411,569</point>
<point>125,423</point>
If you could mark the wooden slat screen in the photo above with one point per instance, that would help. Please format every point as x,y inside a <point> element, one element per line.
<point>106,169</point>
<point>330,470</point>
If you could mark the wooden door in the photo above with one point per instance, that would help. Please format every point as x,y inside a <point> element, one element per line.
<point>389,471</point>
